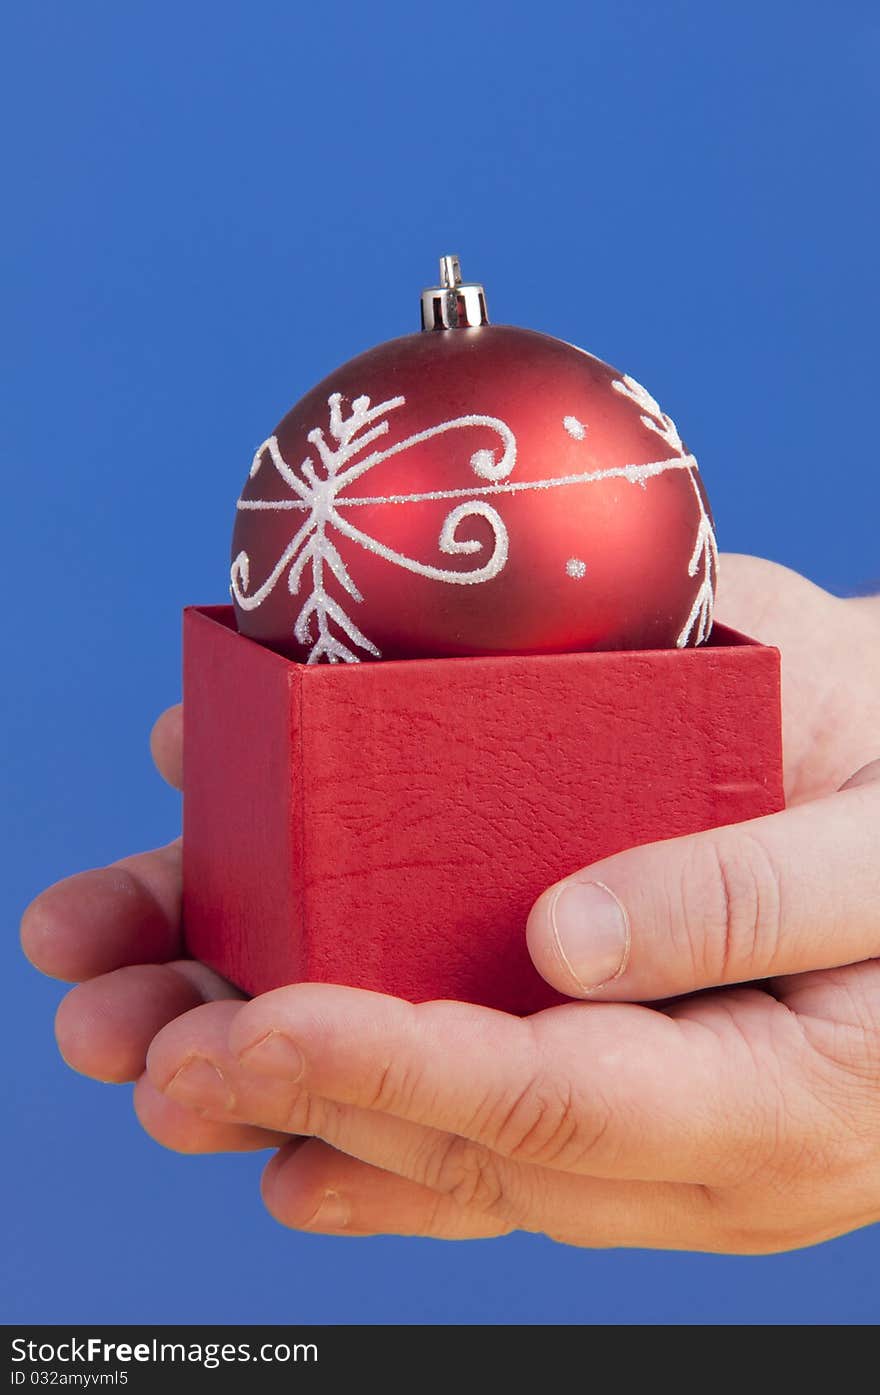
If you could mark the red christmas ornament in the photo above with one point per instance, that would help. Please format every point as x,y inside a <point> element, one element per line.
<point>473,489</point>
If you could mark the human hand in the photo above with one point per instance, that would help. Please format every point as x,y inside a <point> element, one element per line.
<point>741,1120</point>
<point>745,1119</point>
<point>824,732</point>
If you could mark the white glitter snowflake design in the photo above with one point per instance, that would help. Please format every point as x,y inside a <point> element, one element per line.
<point>705,553</point>
<point>322,625</point>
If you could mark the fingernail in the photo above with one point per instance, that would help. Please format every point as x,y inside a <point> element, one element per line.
<point>274,1054</point>
<point>591,930</point>
<point>333,1213</point>
<point>199,1082</point>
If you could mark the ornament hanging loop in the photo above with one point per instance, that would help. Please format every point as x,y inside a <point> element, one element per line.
<point>454,304</point>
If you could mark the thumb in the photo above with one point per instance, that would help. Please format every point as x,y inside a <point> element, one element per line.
<point>784,894</point>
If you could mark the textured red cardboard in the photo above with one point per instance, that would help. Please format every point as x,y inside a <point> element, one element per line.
<point>388,825</point>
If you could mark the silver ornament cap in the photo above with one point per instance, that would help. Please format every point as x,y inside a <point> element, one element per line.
<point>454,304</point>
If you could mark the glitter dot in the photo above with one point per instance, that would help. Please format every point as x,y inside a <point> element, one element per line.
<point>575,428</point>
<point>576,568</point>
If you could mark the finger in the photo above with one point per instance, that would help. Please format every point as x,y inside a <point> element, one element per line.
<point>97,921</point>
<point>481,1192</point>
<point>166,744</point>
<point>784,894</point>
<point>190,1062</point>
<point>191,1065</point>
<point>606,1090</point>
<point>104,1026</point>
<point>315,1187</point>
<point>182,1131</point>
<point>311,1186</point>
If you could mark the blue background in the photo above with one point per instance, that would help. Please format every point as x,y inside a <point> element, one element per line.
<point>208,207</point>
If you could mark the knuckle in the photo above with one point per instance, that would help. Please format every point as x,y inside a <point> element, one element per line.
<point>393,1087</point>
<point>385,1091</point>
<point>732,899</point>
<point>467,1173</point>
<point>304,1114</point>
<point>546,1124</point>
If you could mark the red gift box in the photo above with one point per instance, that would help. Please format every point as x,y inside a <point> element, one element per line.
<point>388,825</point>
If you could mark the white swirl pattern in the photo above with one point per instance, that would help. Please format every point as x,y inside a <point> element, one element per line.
<point>342,462</point>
